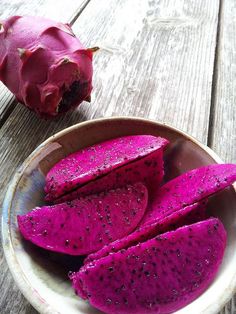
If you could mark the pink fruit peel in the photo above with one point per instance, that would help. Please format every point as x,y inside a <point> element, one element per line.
<point>44,65</point>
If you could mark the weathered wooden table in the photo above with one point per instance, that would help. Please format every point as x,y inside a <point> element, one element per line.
<point>169,60</point>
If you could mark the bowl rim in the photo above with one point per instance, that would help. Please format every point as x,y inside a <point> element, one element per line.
<point>20,279</point>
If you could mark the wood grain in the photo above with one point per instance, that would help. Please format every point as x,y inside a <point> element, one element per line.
<point>156,61</point>
<point>230,307</point>
<point>223,132</point>
<point>11,299</point>
<point>64,12</point>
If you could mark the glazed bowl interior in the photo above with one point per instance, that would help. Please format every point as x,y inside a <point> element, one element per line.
<point>43,276</point>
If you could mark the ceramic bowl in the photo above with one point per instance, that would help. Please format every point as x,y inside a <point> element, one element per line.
<point>41,275</point>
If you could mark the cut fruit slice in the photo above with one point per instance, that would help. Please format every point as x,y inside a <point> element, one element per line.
<point>158,276</point>
<point>85,225</point>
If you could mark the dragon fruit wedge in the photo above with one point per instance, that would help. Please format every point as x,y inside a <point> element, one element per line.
<point>185,216</point>
<point>44,65</point>
<point>118,161</point>
<point>160,275</point>
<point>189,188</point>
<point>148,170</point>
<point>85,225</point>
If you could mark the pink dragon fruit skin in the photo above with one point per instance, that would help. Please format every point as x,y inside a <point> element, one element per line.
<point>185,216</point>
<point>189,188</point>
<point>100,159</point>
<point>44,65</point>
<point>148,170</point>
<point>161,275</point>
<point>85,225</point>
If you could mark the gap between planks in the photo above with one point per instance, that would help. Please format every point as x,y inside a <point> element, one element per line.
<point>75,16</point>
<point>13,102</point>
<point>215,75</point>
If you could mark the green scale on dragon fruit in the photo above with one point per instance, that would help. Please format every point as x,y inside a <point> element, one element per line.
<point>160,275</point>
<point>85,225</point>
<point>107,165</point>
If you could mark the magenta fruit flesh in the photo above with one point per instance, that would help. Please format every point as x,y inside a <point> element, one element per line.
<point>184,216</point>
<point>95,161</point>
<point>160,275</point>
<point>188,188</point>
<point>85,225</point>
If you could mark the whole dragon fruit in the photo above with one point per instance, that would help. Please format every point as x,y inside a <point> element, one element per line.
<point>44,65</point>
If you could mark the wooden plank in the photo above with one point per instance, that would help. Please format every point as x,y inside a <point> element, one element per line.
<point>156,61</point>
<point>223,132</point>
<point>64,12</point>
<point>230,307</point>
<point>11,299</point>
